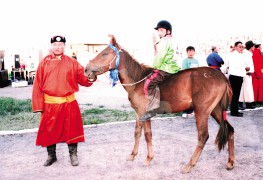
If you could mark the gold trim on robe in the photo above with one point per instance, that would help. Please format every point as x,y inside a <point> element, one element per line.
<point>58,100</point>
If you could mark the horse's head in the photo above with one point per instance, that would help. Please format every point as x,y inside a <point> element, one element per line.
<point>105,61</point>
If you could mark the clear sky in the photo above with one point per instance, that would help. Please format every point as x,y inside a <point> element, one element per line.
<point>27,22</point>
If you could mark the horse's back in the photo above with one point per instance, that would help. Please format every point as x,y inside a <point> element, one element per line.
<point>195,77</point>
<point>196,84</point>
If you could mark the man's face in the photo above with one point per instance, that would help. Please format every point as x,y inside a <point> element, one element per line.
<point>239,48</point>
<point>58,48</point>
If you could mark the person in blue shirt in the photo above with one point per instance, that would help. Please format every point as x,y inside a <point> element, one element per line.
<point>189,62</point>
<point>214,60</point>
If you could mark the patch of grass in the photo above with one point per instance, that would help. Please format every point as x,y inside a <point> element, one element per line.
<point>98,116</point>
<point>92,121</point>
<point>94,111</point>
<point>23,120</point>
<point>170,114</point>
<point>11,106</point>
<point>17,115</point>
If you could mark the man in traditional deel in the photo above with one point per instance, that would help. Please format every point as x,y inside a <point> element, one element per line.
<point>58,77</point>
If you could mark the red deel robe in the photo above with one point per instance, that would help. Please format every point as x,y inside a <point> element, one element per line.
<point>257,77</point>
<point>59,122</point>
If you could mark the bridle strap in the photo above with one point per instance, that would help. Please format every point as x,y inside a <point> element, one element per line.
<point>109,64</point>
<point>114,73</point>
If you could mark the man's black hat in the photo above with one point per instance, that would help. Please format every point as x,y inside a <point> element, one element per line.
<point>58,39</point>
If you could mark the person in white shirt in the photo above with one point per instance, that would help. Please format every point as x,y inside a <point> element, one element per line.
<point>237,70</point>
<point>247,93</point>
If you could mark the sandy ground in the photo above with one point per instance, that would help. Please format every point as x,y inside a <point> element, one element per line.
<point>103,155</point>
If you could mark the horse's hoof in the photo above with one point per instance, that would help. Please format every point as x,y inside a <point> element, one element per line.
<point>131,157</point>
<point>229,166</point>
<point>148,161</point>
<point>187,168</point>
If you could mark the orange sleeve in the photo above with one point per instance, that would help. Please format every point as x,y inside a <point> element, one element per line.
<point>82,79</point>
<point>37,94</point>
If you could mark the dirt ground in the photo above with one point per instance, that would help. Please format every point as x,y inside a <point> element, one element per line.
<point>103,155</point>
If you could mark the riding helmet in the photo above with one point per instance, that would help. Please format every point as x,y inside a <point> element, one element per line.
<point>164,24</point>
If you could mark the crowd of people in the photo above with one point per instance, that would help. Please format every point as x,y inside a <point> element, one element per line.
<point>237,57</point>
<point>243,66</point>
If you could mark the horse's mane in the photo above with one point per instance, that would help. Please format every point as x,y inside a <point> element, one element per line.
<point>136,70</point>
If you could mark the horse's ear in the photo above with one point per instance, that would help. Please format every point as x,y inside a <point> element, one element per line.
<point>112,39</point>
<point>114,42</point>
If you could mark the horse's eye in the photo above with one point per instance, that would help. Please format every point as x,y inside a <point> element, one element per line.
<point>105,54</point>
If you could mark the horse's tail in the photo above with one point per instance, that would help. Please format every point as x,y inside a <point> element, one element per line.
<point>225,129</point>
<point>227,96</point>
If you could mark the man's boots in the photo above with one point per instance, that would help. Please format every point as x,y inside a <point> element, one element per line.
<point>51,150</point>
<point>73,154</point>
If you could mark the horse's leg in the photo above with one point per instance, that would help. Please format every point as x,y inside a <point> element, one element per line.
<point>137,135</point>
<point>140,109</point>
<point>148,138</point>
<point>217,114</point>
<point>231,158</point>
<point>202,128</point>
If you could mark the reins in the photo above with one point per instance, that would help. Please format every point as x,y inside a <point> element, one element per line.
<point>130,84</point>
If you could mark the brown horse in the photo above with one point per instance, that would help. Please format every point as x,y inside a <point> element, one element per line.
<point>204,89</point>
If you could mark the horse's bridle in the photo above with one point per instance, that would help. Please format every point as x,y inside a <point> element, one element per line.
<point>114,71</point>
<point>116,57</point>
<point>101,69</point>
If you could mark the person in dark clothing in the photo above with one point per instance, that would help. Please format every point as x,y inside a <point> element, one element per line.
<point>237,70</point>
<point>214,60</point>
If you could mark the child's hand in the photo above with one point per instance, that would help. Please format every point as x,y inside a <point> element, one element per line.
<point>154,39</point>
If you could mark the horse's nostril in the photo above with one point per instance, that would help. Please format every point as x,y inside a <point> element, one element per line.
<point>86,70</point>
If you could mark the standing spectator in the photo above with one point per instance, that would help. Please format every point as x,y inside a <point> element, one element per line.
<point>247,94</point>
<point>237,70</point>
<point>56,81</point>
<point>214,60</point>
<point>189,62</point>
<point>225,67</point>
<point>257,76</point>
